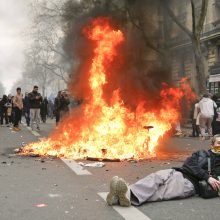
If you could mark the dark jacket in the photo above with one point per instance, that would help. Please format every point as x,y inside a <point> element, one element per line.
<point>57,104</point>
<point>64,104</point>
<point>34,103</point>
<point>26,104</point>
<point>195,168</point>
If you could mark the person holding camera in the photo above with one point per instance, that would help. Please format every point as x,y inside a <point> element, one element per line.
<point>35,100</point>
<point>199,174</point>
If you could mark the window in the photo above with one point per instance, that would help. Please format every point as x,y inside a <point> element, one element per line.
<point>218,55</point>
<point>214,87</point>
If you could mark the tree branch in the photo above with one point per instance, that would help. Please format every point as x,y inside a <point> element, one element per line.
<point>146,40</point>
<point>202,16</point>
<point>175,19</point>
<point>193,17</point>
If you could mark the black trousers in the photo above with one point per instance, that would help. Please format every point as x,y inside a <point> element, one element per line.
<point>3,116</point>
<point>196,131</point>
<point>17,115</point>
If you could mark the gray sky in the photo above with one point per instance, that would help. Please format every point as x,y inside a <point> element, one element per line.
<point>13,22</point>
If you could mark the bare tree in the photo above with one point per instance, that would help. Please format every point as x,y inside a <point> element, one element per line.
<point>2,89</point>
<point>194,35</point>
<point>47,34</point>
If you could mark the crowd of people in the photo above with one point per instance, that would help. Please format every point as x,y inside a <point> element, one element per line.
<point>206,117</point>
<point>33,107</point>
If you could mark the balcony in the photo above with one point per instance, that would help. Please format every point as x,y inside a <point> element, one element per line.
<point>209,31</point>
<point>217,3</point>
<point>215,69</point>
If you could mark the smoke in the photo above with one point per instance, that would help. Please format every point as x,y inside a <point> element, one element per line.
<point>141,70</point>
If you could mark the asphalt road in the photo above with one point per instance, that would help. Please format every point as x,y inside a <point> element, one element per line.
<point>29,182</point>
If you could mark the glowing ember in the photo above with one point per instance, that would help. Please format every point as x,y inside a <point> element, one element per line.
<point>100,129</point>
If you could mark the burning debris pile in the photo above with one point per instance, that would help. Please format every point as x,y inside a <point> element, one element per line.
<point>105,126</point>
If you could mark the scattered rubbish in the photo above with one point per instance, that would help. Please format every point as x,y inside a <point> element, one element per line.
<point>43,168</point>
<point>41,205</point>
<point>34,155</point>
<point>101,159</point>
<point>166,163</point>
<point>106,170</point>
<point>4,162</point>
<point>66,212</point>
<point>54,195</point>
<point>133,161</point>
<point>137,177</point>
<point>18,150</point>
<point>55,184</point>
<point>12,155</point>
<point>96,164</point>
<point>23,144</point>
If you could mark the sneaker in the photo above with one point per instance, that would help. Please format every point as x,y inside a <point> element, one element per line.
<point>122,193</point>
<point>112,198</point>
<point>178,133</point>
<point>16,129</point>
<point>203,138</point>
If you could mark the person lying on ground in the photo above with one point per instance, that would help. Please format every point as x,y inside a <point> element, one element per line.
<point>175,183</point>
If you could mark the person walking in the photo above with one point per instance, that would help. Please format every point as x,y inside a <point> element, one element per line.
<point>206,106</point>
<point>35,100</point>
<point>18,106</point>
<point>26,109</point>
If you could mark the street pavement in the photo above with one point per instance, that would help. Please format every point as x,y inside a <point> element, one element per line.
<point>33,188</point>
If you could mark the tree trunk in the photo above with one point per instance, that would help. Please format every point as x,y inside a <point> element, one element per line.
<point>200,66</point>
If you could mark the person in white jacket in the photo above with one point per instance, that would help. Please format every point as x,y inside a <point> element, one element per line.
<point>206,106</point>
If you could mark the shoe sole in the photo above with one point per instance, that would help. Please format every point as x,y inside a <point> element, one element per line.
<point>122,189</point>
<point>112,198</point>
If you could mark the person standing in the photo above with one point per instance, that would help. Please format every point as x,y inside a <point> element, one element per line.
<point>43,110</point>
<point>57,107</point>
<point>4,108</point>
<point>18,106</point>
<point>206,106</point>
<point>9,110</point>
<point>195,127</point>
<point>26,110</point>
<point>35,100</point>
<point>64,104</point>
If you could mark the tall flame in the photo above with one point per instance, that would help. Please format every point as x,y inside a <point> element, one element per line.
<point>99,129</point>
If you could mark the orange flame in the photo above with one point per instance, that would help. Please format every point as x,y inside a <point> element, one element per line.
<point>110,130</point>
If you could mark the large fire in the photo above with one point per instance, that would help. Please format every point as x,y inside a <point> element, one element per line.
<point>99,129</point>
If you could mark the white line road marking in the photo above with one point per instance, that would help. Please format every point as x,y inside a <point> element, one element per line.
<point>75,167</point>
<point>128,213</point>
<point>70,163</point>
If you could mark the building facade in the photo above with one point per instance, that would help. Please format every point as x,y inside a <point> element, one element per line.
<point>183,63</point>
